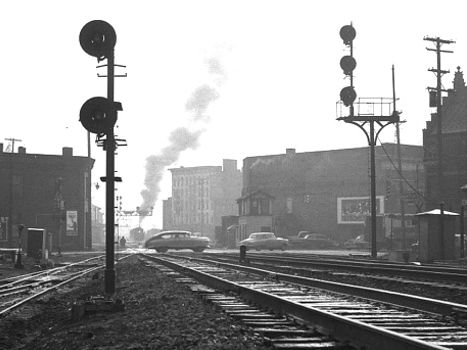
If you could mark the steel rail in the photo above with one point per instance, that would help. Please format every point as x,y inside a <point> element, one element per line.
<point>50,289</point>
<point>429,305</point>
<point>22,278</point>
<point>408,271</point>
<point>366,262</point>
<point>341,328</point>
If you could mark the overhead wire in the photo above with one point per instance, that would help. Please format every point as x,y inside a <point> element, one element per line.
<point>402,177</point>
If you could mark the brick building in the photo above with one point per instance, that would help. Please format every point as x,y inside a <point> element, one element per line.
<point>46,191</point>
<point>454,148</point>
<point>328,191</point>
<point>201,196</point>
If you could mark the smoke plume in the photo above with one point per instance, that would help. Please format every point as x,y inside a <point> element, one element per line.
<point>181,138</point>
<point>200,100</point>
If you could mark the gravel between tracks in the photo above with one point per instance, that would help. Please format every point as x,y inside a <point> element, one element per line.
<point>159,314</point>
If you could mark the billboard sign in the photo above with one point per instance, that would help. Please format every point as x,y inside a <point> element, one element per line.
<point>71,223</point>
<point>3,228</point>
<point>353,210</point>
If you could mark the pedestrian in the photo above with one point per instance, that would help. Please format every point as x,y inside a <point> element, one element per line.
<point>122,242</point>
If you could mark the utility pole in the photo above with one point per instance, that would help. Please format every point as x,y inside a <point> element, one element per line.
<point>439,73</point>
<point>12,140</point>
<point>399,161</point>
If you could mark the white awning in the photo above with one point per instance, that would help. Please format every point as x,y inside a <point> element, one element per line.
<point>437,212</point>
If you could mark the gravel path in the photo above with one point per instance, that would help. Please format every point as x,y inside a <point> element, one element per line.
<point>159,314</point>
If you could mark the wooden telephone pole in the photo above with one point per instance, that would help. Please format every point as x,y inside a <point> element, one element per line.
<point>439,73</point>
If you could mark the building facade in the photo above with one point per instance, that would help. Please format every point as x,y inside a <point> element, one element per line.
<point>201,196</point>
<point>46,191</point>
<point>453,150</point>
<point>329,191</point>
<point>98,225</point>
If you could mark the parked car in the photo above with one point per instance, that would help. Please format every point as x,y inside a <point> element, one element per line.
<point>358,242</point>
<point>319,241</point>
<point>177,240</point>
<point>264,240</point>
<point>310,240</point>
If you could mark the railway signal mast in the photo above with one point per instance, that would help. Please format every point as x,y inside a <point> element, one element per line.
<point>98,115</point>
<point>362,118</point>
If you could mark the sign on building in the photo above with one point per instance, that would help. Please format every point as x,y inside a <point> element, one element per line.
<point>353,210</point>
<point>71,223</point>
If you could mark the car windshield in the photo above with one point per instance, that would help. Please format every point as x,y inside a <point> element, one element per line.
<point>260,236</point>
<point>171,235</point>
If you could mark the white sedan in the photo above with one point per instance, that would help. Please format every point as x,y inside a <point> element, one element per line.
<point>264,240</point>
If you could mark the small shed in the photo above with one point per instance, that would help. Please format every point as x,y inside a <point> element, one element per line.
<point>434,245</point>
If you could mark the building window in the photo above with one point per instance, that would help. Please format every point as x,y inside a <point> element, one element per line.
<point>264,208</point>
<point>17,187</point>
<point>289,204</point>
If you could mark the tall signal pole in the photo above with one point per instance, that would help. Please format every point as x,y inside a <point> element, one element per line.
<point>399,164</point>
<point>439,73</point>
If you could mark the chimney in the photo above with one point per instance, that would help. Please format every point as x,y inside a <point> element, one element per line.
<point>229,165</point>
<point>67,151</point>
<point>289,151</point>
<point>21,150</point>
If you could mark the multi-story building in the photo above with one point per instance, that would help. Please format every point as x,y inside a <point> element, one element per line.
<point>327,191</point>
<point>46,191</point>
<point>201,196</point>
<point>454,149</point>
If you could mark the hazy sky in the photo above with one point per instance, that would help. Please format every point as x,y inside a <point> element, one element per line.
<point>273,67</point>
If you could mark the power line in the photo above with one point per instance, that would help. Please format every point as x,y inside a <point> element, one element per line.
<point>402,177</point>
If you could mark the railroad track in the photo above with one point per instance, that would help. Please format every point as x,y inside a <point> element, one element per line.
<point>19,290</point>
<point>423,273</point>
<point>361,316</point>
<point>436,288</point>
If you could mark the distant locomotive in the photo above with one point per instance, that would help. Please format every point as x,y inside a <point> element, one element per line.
<point>137,234</point>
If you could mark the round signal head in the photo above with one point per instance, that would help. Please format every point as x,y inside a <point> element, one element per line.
<point>348,64</point>
<point>98,115</point>
<point>347,34</point>
<point>98,38</point>
<point>348,95</point>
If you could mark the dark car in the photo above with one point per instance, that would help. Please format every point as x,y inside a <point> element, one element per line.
<point>358,242</point>
<point>177,240</point>
<point>320,241</point>
<point>310,240</point>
